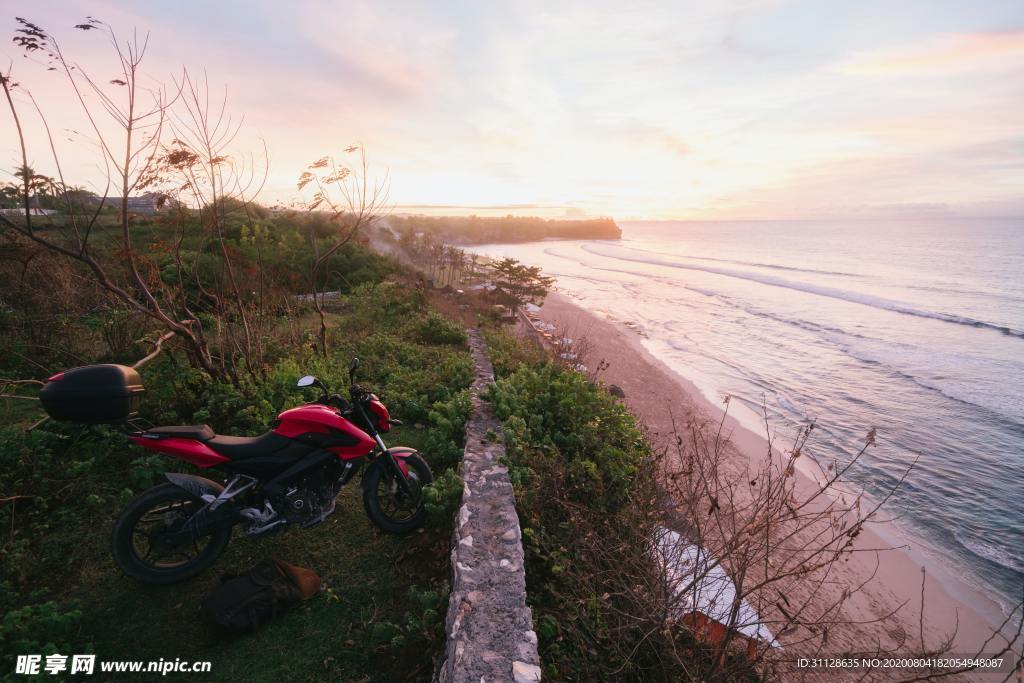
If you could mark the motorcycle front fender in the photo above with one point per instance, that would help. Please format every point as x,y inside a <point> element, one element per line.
<point>391,460</point>
<point>401,453</point>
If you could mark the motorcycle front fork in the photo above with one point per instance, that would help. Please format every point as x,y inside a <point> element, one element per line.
<point>391,462</point>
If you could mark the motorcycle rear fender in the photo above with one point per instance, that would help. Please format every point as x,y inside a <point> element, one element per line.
<point>193,485</point>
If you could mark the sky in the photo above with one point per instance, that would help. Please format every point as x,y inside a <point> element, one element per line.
<point>749,109</point>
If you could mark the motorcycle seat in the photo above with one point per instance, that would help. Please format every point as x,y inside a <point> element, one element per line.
<point>197,432</point>
<point>236,447</point>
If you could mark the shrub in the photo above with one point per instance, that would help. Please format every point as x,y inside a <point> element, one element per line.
<point>508,354</point>
<point>436,329</point>
<point>422,625</point>
<point>70,481</point>
<point>446,436</point>
<point>557,415</point>
<point>40,627</point>
<point>575,457</point>
<point>587,492</point>
<point>442,497</point>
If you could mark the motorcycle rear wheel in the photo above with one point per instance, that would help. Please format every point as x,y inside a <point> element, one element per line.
<point>387,506</point>
<point>143,542</point>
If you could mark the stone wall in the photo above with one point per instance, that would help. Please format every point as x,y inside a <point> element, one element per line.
<point>490,628</point>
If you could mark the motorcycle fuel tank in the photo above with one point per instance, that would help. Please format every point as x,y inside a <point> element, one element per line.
<point>322,426</point>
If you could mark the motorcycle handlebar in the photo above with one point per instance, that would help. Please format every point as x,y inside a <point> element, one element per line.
<point>334,399</point>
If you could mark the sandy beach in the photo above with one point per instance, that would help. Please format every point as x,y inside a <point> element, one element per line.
<point>656,394</point>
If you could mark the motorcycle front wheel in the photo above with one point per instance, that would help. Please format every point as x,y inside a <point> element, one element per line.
<point>387,505</point>
<point>147,543</point>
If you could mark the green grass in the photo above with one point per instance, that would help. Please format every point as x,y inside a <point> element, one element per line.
<point>344,634</point>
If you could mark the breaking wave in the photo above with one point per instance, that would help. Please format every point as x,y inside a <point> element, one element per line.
<point>773,266</point>
<point>831,292</point>
<point>1004,557</point>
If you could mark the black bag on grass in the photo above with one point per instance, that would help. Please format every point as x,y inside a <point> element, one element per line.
<point>244,602</point>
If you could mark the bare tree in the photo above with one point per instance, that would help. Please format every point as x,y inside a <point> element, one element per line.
<point>137,157</point>
<point>783,546</point>
<point>353,202</point>
<point>215,185</point>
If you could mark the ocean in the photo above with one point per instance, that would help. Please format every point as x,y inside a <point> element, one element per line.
<point>912,327</point>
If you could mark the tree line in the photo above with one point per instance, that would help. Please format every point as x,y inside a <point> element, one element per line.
<point>483,230</point>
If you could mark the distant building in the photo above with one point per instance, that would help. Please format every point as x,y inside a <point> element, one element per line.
<point>33,211</point>
<point>147,204</point>
<point>144,205</point>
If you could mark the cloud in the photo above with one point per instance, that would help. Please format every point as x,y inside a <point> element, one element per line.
<point>665,110</point>
<point>982,177</point>
<point>962,52</point>
<point>642,134</point>
<point>378,49</point>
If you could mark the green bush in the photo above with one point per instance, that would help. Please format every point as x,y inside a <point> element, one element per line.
<point>446,437</point>
<point>176,394</point>
<point>422,625</point>
<point>71,481</point>
<point>442,497</point>
<point>508,354</point>
<point>586,488</point>
<point>42,627</point>
<point>436,329</point>
<point>580,470</point>
<point>557,415</point>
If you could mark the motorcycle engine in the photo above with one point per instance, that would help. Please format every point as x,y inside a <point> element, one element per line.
<point>309,501</point>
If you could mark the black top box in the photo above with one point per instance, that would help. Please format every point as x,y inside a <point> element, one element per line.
<point>93,394</point>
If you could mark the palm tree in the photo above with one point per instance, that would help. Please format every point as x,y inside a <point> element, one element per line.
<point>38,184</point>
<point>10,195</point>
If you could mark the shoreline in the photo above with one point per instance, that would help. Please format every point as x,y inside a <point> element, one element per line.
<point>653,389</point>
<point>960,588</point>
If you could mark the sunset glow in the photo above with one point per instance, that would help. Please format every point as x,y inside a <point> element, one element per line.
<point>752,109</point>
<point>668,339</point>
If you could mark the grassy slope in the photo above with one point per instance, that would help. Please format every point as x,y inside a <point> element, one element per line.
<point>366,627</point>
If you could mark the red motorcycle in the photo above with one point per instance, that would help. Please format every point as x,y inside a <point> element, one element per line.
<point>288,476</point>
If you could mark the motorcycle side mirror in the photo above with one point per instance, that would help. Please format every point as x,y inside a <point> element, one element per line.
<point>307,381</point>
<point>352,368</point>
